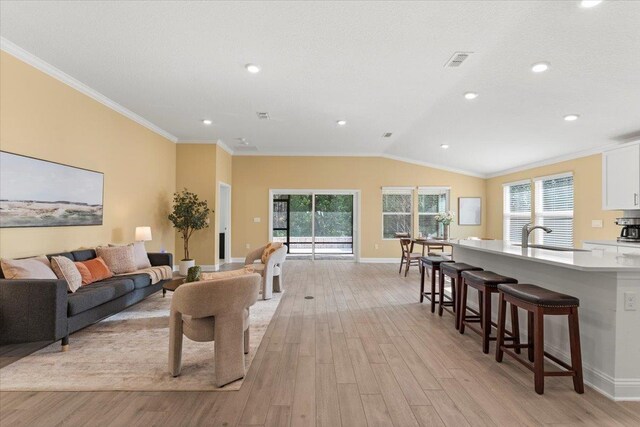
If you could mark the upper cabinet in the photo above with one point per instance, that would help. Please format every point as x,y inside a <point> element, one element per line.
<point>621,178</point>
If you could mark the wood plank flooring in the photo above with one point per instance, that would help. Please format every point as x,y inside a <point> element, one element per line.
<point>362,352</point>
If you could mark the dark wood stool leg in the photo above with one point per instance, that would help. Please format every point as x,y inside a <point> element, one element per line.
<point>422,268</point>
<point>486,321</point>
<point>441,293</point>
<point>538,350</point>
<point>433,289</point>
<point>463,306</point>
<point>530,335</point>
<point>515,327</point>
<point>455,292</point>
<point>502,308</point>
<point>576,354</point>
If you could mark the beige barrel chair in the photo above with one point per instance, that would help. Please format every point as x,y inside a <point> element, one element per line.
<point>214,310</point>
<point>271,269</point>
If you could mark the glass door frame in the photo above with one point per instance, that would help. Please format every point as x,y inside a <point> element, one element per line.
<point>313,193</point>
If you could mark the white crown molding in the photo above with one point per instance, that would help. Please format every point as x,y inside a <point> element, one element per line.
<point>15,50</point>
<point>432,165</point>
<point>311,154</point>
<point>217,142</point>
<point>553,160</point>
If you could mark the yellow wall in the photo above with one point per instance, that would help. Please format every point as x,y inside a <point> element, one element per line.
<point>253,176</point>
<point>196,171</point>
<point>44,118</point>
<point>587,176</point>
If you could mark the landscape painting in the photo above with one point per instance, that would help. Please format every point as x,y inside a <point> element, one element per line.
<point>38,193</point>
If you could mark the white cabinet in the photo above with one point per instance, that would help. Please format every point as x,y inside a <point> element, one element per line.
<point>621,178</point>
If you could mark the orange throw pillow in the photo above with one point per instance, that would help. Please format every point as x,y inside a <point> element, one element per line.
<point>93,270</point>
<point>268,250</point>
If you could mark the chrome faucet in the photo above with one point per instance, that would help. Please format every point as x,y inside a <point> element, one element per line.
<point>527,229</point>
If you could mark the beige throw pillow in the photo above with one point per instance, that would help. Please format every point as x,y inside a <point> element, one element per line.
<point>119,259</point>
<point>139,254</point>
<point>28,268</point>
<point>67,270</point>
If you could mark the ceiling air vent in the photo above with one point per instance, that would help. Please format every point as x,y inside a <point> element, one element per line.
<point>263,116</point>
<point>387,135</point>
<point>457,59</point>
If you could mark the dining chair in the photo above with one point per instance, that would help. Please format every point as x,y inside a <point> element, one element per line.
<point>408,258</point>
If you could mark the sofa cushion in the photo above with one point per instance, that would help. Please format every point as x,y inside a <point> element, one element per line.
<point>141,280</point>
<point>28,268</point>
<point>64,254</point>
<point>67,270</point>
<point>93,270</point>
<point>88,297</point>
<point>119,259</point>
<point>83,254</point>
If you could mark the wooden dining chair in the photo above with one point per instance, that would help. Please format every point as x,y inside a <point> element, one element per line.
<point>408,258</point>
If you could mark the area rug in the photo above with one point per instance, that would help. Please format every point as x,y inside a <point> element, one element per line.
<point>129,352</point>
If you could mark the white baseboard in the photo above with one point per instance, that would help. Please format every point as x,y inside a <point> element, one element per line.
<point>237,259</point>
<point>380,260</point>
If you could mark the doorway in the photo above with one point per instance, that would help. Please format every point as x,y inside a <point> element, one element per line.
<point>224,223</point>
<point>316,224</point>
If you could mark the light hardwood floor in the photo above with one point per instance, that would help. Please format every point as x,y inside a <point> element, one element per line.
<point>363,352</point>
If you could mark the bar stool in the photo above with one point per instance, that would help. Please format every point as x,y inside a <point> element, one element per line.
<point>453,270</point>
<point>486,282</point>
<point>540,302</point>
<point>433,262</point>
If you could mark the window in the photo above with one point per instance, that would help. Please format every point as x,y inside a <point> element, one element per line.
<point>431,201</point>
<point>554,209</point>
<point>396,211</point>
<point>516,209</point>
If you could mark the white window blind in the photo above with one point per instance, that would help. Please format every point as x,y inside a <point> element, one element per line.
<point>554,209</point>
<point>516,209</point>
<point>397,210</point>
<point>431,201</point>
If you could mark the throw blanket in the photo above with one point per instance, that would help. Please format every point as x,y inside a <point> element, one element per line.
<point>157,273</point>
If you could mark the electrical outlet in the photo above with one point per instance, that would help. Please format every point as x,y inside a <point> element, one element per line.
<point>596,223</point>
<point>256,219</point>
<point>248,246</point>
<point>630,301</point>
<point>376,246</point>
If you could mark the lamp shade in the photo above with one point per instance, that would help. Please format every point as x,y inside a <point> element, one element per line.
<point>143,234</point>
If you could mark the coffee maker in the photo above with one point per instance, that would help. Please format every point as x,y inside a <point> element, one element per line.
<point>630,230</point>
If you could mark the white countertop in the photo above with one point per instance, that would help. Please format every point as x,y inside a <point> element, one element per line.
<point>585,261</point>
<point>613,243</point>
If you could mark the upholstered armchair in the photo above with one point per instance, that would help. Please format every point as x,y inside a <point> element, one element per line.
<point>214,310</point>
<point>271,270</point>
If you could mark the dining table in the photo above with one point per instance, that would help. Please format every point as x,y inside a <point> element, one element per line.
<point>432,243</point>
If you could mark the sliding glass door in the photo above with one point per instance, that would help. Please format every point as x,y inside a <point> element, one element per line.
<point>315,225</point>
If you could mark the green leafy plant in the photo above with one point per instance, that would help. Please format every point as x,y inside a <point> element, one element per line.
<point>193,274</point>
<point>189,214</point>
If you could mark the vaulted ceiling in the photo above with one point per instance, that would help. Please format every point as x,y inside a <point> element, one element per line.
<point>377,65</point>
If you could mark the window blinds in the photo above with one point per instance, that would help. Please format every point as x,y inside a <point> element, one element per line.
<point>517,209</point>
<point>554,209</point>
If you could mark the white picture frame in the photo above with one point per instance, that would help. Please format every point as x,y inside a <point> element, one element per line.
<point>469,210</point>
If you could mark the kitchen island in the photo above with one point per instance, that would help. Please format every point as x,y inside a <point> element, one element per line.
<point>610,332</point>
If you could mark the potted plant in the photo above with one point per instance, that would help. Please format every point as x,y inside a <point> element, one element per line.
<point>189,214</point>
<point>445,218</point>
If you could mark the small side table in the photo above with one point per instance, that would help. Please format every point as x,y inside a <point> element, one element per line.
<point>173,284</point>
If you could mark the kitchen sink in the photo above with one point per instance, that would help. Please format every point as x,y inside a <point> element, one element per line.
<point>555,248</point>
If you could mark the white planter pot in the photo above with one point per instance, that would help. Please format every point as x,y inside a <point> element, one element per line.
<point>185,265</point>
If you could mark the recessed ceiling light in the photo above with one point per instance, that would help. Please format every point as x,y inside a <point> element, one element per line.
<point>207,122</point>
<point>471,95</point>
<point>571,117</point>
<point>252,68</point>
<point>540,67</point>
<point>444,146</point>
<point>590,3</point>
<point>341,122</point>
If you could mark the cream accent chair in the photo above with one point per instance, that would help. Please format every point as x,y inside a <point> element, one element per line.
<point>214,310</point>
<point>271,271</point>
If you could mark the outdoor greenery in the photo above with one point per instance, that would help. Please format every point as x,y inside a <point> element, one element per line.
<point>334,215</point>
<point>189,214</point>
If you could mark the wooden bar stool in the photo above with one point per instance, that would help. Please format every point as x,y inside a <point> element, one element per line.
<point>432,262</point>
<point>540,302</point>
<point>486,282</point>
<point>453,270</point>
